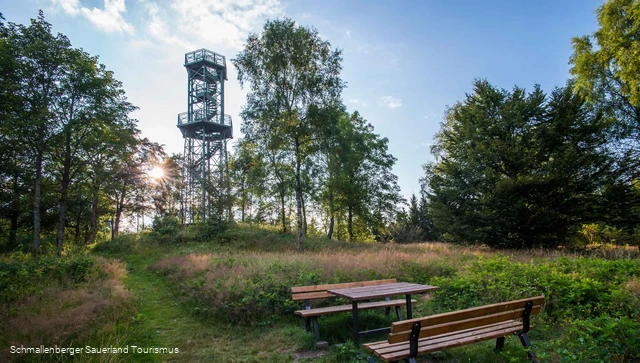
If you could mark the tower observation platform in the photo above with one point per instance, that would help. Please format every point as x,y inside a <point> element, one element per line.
<point>206,130</point>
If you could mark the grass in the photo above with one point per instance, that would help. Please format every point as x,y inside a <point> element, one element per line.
<point>228,300</point>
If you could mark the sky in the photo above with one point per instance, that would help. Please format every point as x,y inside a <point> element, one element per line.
<point>404,62</point>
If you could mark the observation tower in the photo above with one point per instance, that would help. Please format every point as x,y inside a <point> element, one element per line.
<point>205,129</point>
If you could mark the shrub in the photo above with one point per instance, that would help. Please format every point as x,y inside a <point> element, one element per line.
<point>166,228</point>
<point>575,288</point>
<point>601,339</point>
<point>22,274</point>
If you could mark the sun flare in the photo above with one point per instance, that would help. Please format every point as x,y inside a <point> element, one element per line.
<point>157,172</point>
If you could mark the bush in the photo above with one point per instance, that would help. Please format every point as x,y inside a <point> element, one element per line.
<point>575,288</point>
<point>166,228</point>
<point>602,339</point>
<point>22,274</point>
<point>404,233</point>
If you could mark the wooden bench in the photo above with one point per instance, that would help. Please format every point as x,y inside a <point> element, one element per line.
<point>411,338</point>
<point>316,292</point>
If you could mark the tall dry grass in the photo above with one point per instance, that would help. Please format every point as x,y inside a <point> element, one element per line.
<point>64,315</point>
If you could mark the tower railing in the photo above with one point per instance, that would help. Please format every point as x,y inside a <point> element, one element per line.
<point>204,54</point>
<point>183,118</point>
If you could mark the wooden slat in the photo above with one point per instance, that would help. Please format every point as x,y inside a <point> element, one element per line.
<point>404,325</point>
<point>448,327</point>
<point>312,288</point>
<point>312,295</point>
<point>383,347</point>
<point>365,293</point>
<point>347,308</point>
<point>429,346</point>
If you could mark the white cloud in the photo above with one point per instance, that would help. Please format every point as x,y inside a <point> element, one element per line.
<point>357,101</point>
<point>159,29</point>
<point>430,116</point>
<point>220,22</point>
<point>348,33</point>
<point>391,102</point>
<point>305,15</point>
<point>71,7</point>
<point>108,19</point>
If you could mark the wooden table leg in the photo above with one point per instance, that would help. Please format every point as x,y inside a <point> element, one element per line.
<point>409,313</point>
<point>356,331</point>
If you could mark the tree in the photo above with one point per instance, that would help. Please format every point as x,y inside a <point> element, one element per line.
<point>63,113</point>
<point>358,182</point>
<point>166,189</point>
<point>293,74</point>
<point>248,175</point>
<point>36,58</point>
<point>515,169</point>
<point>606,70</point>
<point>130,181</point>
<point>91,108</point>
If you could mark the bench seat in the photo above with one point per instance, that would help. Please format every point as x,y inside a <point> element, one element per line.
<point>409,339</point>
<point>393,352</point>
<point>347,308</point>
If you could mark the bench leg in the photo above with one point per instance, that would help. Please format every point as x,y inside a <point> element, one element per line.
<point>399,313</point>
<point>307,324</point>
<point>356,330</point>
<point>524,339</point>
<point>499,344</point>
<point>387,311</point>
<point>316,327</point>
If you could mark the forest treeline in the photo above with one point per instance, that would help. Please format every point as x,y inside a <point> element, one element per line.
<point>512,168</point>
<point>71,158</point>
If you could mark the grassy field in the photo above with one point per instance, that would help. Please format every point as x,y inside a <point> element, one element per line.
<point>228,300</point>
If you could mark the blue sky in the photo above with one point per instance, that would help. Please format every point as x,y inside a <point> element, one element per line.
<point>404,61</point>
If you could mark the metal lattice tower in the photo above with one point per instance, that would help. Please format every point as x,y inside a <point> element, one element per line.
<point>205,129</point>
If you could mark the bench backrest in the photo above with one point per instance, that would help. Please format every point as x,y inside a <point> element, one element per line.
<point>320,291</point>
<point>464,319</point>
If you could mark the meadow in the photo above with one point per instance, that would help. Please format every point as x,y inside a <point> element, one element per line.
<point>227,298</point>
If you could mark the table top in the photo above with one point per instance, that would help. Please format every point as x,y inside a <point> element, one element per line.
<point>378,291</point>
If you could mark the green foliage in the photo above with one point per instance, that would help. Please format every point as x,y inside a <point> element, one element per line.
<point>166,228</point>
<point>404,233</point>
<point>516,169</point>
<point>611,66</point>
<point>606,70</point>
<point>24,274</point>
<point>575,288</point>
<point>293,77</point>
<point>604,234</point>
<point>601,339</point>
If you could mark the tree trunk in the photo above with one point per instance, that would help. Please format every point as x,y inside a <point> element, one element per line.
<point>13,232</point>
<point>119,205</point>
<point>77,230</point>
<point>350,224</point>
<point>15,213</point>
<point>331,213</point>
<point>331,221</point>
<point>298,193</point>
<point>243,202</point>
<point>37,192</point>
<point>93,231</point>
<point>304,218</point>
<point>64,193</point>
<point>284,217</point>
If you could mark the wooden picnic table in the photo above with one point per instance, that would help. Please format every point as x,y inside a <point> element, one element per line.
<point>357,294</point>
